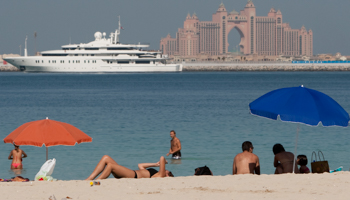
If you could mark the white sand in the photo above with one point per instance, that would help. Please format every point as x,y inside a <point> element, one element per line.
<point>288,186</point>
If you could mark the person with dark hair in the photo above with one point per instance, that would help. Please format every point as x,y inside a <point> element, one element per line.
<point>283,160</point>
<point>108,166</point>
<point>16,156</point>
<point>175,146</point>
<point>302,161</point>
<point>246,162</point>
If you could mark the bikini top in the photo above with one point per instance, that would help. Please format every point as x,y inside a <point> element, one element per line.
<point>152,172</point>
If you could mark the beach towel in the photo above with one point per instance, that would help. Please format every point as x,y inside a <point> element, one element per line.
<point>15,179</point>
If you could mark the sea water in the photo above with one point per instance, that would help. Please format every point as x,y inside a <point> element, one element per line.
<point>129,116</point>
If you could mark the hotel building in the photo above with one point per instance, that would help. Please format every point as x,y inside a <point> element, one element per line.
<point>263,36</point>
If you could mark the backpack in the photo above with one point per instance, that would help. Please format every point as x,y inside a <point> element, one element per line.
<point>202,171</point>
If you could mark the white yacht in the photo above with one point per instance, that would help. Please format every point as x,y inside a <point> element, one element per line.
<point>101,55</point>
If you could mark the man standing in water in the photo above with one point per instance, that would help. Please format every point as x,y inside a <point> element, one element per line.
<point>175,146</point>
<point>246,162</point>
<point>16,157</point>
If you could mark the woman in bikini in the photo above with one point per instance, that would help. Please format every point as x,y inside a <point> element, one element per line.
<point>16,157</point>
<point>283,160</point>
<point>108,166</point>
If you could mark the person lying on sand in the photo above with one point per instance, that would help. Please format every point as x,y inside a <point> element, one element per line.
<point>283,160</point>
<point>108,166</point>
<point>246,162</point>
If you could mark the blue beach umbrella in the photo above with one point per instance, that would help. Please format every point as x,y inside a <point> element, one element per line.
<point>300,105</point>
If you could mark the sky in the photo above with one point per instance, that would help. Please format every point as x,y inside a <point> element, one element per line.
<point>62,22</point>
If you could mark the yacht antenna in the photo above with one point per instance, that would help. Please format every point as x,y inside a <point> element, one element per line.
<point>116,33</point>
<point>25,48</point>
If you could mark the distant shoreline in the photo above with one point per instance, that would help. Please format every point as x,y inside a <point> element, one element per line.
<point>265,67</point>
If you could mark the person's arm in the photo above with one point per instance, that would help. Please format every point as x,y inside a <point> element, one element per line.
<point>24,154</point>
<point>234,167</point>
<point>147,165</point>
<point>10,156</point>
<point>257,167</point>
<point>275,162</point>
<point>168,152</point>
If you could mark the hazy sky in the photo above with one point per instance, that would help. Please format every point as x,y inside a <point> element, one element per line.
<point>147,21</point>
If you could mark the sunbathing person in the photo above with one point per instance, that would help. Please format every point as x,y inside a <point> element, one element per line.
<point>246,162</point>
<point>283,160</point>
<point>16,157</point>
<point>108,166</point>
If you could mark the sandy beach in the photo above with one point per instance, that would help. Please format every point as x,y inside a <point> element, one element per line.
<point>287,186</point>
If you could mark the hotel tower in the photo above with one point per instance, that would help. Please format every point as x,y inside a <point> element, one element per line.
<point>266,35</point>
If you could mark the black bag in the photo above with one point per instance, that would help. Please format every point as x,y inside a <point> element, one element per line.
<point>202,171</point>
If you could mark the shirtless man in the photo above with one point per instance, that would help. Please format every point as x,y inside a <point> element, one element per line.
<point>283,160</point>
<point>16,157</point>
<point>175,146</point>
<point>246,162</point>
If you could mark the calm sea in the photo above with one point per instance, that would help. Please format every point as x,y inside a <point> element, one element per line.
<point>129,117</point>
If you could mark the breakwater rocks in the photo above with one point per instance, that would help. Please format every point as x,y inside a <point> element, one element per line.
<point>264,67</point>
<point>9,69</point>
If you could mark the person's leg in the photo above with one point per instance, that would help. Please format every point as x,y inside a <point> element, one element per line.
<point>162,163</point>
<point>100,166</point>
<point>118,171</point>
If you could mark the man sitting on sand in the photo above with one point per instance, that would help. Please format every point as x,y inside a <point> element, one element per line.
<point>246,162</point>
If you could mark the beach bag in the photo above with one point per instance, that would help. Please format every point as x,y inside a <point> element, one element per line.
<point>319,166</point>
<point>202,171</point>
<point>46,170</point>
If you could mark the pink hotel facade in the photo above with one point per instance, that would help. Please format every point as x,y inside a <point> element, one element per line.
<point>266,36</point>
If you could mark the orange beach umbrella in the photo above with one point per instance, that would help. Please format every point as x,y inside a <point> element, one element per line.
<point>47,132</point>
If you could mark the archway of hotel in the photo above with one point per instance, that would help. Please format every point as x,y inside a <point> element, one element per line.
<point>235,39</point>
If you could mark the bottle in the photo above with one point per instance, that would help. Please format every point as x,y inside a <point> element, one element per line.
<point>95,183</point>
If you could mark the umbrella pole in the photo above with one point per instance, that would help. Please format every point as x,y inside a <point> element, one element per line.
<point>295,148</point>
<point>47,153</point>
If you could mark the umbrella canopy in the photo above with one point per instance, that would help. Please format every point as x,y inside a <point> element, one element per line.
<point>47,132</point>
<point>300,104</point>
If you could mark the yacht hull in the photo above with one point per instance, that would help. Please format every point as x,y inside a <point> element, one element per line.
<point>35,65</point>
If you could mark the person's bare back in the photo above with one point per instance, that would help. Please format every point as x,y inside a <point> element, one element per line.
<point>16,157</point>
<point>246,162</point>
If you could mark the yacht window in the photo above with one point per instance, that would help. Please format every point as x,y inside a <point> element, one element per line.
<point>119,48</point>
<point>49,61</point>
<point>84,61</point>
<point>123,62</point>
<point>72,48</point>
<point>68,61</point>
<point>91,48</point>
<point>142,62</point>
<point>42,61</point>
<point>73,61</point>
